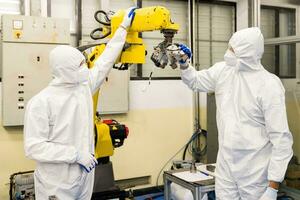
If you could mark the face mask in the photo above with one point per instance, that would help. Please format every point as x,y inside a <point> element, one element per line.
<point>230,58</point>
<point>83,74</point>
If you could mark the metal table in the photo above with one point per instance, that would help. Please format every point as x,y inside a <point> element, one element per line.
<point>198,189</point>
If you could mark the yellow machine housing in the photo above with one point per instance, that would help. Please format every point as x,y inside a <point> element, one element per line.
<point>104,146</point>
<point>146,19</point>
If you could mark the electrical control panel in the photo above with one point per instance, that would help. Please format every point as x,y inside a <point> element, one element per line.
<point>28,29</point>
<point>25,45</point>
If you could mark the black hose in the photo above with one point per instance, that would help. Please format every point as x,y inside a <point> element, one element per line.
<point>184,151</point>
<point>92,35</point>
<point>107,23</point>
<point>197,134</point>
<point>85,47</point>
<point>106,17</point>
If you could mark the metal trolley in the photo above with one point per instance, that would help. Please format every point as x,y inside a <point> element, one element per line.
<point>198,189</point>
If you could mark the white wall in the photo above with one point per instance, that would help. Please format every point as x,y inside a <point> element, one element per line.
<point>160,123</point>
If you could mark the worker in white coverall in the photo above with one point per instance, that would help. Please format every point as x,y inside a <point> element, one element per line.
<point>255,143</point>
<point>58,127</point>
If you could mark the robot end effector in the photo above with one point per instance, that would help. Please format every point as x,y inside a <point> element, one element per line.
<point>170,53</point>
<point>145,19</point>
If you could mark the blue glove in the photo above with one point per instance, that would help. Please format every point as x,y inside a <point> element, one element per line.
<point>185,56</point>
<point>128,17</point>
<point>86,160</point>
<point>186,50</point>
<point>270,194</point>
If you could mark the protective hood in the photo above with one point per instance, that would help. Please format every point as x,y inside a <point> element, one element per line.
<point>65,63</point>
<point>248,46</point>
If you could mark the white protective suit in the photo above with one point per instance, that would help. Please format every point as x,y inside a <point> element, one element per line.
<point>255,144</point>
<point>59,122</point>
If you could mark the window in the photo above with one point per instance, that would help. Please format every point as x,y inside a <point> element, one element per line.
<point>279,22</point>
<point>64,9</point>
<point>10,7</point>
<point>89,23</point>
<point>215,25</point>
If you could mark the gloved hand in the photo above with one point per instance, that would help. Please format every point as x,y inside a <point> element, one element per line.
<point>128,17</point>
<point>270,194</point>
<point>86,160</point>
<point>184,56</point>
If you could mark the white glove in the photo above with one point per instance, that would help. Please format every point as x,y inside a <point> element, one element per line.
<point>128,17</point>
<point>86,160</point>
<point>270,194</point>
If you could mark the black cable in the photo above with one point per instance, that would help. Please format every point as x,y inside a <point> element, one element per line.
<point>197,152</point>
<point>105,15</point>
<point>184,152</point>
<point>107,23</point>
<point>123,66</point>
<point>191,148</point>
<point>85,47</point>
<point>92,34</point>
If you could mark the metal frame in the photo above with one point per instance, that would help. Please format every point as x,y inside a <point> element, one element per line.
<point>49,8</point>
<point>25,7</point>
<point>287,39</point>
<point>254,13</point>
<point>295,193</point>
<point>282,41</point>
<point>192,42</point>
<point>139,67</point>
<point>197,190</point>
<point>78,16</point>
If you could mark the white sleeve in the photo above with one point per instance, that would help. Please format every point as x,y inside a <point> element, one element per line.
<point>36,133</point>
<point>204,80</point>
<point>278,131</point>
<point>107,59</point>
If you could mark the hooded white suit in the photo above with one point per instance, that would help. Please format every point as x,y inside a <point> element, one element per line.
<point>59,122</point>
<point>255,144</point>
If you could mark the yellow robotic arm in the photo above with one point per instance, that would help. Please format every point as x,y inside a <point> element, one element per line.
<point>134,52</point>
<point>146,19</point>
